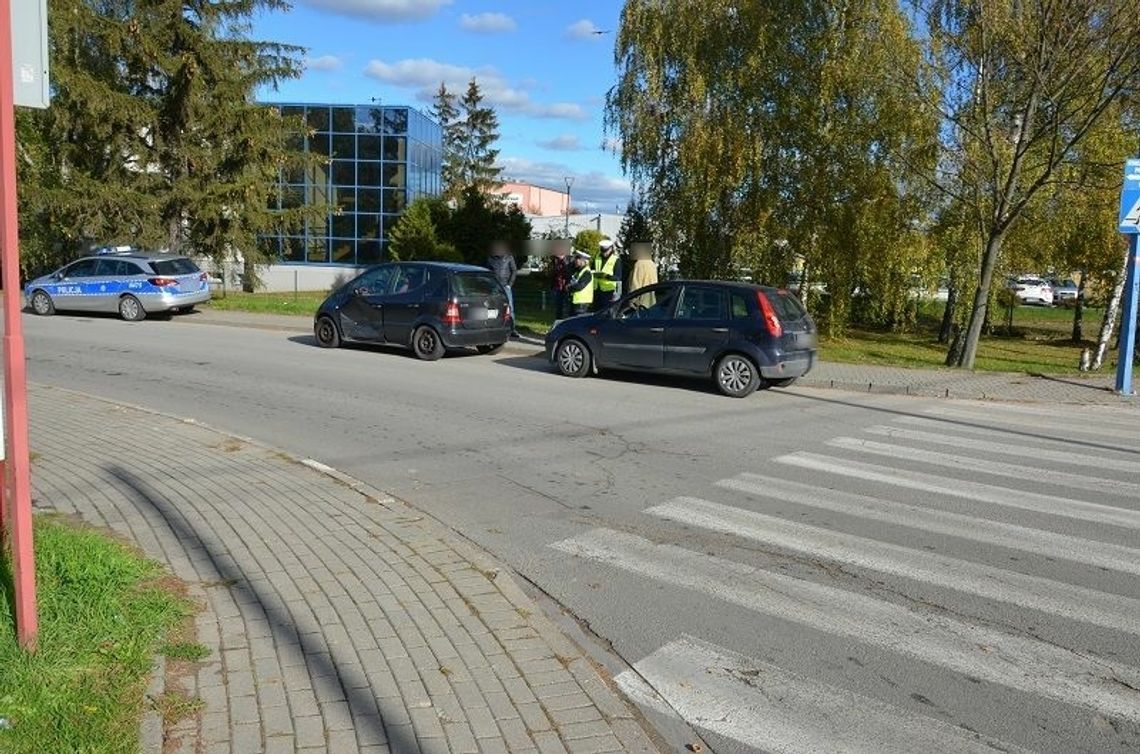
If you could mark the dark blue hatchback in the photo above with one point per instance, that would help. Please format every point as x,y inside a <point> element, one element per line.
<point>741,335</point>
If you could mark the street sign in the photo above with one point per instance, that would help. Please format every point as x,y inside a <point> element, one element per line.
<point>30,53</point>
<point>1130,198</point>
<point>1130,224</point>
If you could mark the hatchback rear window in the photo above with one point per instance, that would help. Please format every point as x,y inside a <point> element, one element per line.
<point>788,307</point>
<point>180,266</point>
<point>476,284</point>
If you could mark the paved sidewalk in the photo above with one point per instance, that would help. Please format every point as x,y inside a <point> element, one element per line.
<point>338,619</point>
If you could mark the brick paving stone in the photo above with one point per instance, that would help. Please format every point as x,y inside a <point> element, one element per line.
<point>328,614</point>
<point>598,745</point>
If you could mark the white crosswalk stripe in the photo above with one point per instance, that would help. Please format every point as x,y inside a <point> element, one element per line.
<point>1006,448</point>
<point>986,466</point>
<point>965,489</point>
<point>1025,664</point>
<point>1037,541</point>
<point>986,416</point>
<point>1093,415</point>
<point>766,707</point>
<point>1046,595</point>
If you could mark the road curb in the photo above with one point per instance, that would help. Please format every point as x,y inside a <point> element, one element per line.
<point>151,727</point>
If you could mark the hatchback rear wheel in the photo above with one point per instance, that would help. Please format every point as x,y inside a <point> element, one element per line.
<point>785,382</point>
<point>427,344</point>
<point>490,348</point>
<point>736,376</point>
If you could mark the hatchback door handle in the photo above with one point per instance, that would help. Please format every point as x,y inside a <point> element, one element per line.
<point>657,329</point>
<point>720,329</point>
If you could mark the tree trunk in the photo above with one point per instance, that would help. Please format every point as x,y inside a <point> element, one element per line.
<point>948,313</point>
<point>954,353</point>
<point>1110,312</point>
<point>981,298</point>
<point>1079,312</point>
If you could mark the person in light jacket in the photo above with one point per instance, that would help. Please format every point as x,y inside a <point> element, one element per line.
<point>644,273</point>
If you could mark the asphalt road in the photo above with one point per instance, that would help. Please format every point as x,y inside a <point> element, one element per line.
<point>799,571</point>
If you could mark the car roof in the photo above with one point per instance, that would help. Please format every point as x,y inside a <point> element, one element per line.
<point>452,266</point>
<point>146,256</point>
<point>738,284</point>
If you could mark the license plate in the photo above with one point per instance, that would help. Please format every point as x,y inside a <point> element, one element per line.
<point>492,314</point>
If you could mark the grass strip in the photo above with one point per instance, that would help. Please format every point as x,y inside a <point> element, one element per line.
<point>105,611</point>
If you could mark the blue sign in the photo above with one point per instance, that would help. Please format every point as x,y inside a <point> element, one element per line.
<point>1130,198</point>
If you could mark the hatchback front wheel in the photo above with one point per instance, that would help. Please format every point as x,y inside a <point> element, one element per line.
<point>736,376</point>
<point>573,358</point>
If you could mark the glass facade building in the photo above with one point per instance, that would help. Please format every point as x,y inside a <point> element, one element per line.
<point>376,160</point>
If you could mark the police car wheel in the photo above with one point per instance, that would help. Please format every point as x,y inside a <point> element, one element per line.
<point>736,376</point>
<point>573,358</point>
<point>326,333</point>
<point>426,344</point>
<point>131,309</point>
<point>42,304</point>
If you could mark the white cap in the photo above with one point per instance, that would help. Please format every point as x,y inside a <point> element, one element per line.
<point>605,243</point>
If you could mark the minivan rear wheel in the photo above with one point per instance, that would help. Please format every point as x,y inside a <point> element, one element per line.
<point>736,376</point>
<point>490,348</point>
<point>784,382</point>
<point>427,344</point>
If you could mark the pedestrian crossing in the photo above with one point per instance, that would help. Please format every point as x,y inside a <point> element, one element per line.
<point>1066,503</point>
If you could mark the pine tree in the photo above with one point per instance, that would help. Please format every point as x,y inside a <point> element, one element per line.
<point>475,143</point>
<point>415,237</point>
<point>157,138</point>
<point>634,227</point>
<point>446,114</point>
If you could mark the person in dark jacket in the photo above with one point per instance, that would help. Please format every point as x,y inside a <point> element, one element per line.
<point>561,268</point>
<point>502,265</point>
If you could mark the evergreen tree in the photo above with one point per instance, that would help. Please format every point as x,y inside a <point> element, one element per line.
<point>414,236</point>
<point>634,227</point>
<point>475,143</point>
<point>156,138</point>
<point>446,113</point>
<point>477,220</point>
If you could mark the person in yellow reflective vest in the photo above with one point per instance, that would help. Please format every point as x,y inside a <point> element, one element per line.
<point>607,274</point>
<point>581,285</point>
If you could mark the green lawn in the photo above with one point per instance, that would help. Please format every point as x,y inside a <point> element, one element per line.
<point>105,611</point>
<point>301,303</point>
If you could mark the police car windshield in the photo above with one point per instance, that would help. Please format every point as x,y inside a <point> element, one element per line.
<point>180,266</point>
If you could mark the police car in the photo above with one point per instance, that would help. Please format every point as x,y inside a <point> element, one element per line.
<point>130,282</point>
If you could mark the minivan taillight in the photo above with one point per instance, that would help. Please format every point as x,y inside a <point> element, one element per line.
<point>507,313</point>
<point>771,321</point>
<point>451,313</point>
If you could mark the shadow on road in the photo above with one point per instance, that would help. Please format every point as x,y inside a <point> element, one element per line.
<point>286,632</point>
<point>309,340</point>
<point>648,379</point>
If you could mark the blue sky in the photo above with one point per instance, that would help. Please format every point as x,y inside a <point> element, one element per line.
<point>540,64</point>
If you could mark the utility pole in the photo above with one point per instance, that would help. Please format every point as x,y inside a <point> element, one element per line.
<point>569,183</point>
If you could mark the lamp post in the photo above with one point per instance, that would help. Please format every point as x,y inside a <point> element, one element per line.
<point>569,183</point>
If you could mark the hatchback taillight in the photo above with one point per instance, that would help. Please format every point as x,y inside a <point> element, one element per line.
<point>162,282</point>
<point>507,313</point>
<point>771,321</point>
<point>451,313</point>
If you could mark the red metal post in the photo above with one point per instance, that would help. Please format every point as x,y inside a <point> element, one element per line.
<point>17,461</point>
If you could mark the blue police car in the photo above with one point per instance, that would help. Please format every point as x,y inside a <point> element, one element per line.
<point>132,283</point>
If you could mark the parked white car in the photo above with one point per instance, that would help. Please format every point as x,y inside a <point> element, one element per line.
<point>1033,290</point>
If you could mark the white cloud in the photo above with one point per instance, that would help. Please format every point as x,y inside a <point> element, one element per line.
<point>487,23</point>
<point>562,143</point>
<point>381,11</point>
<point>425,74</point>
<point>584,29</point>
<point>324,63</point>
<point>592,187</point>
